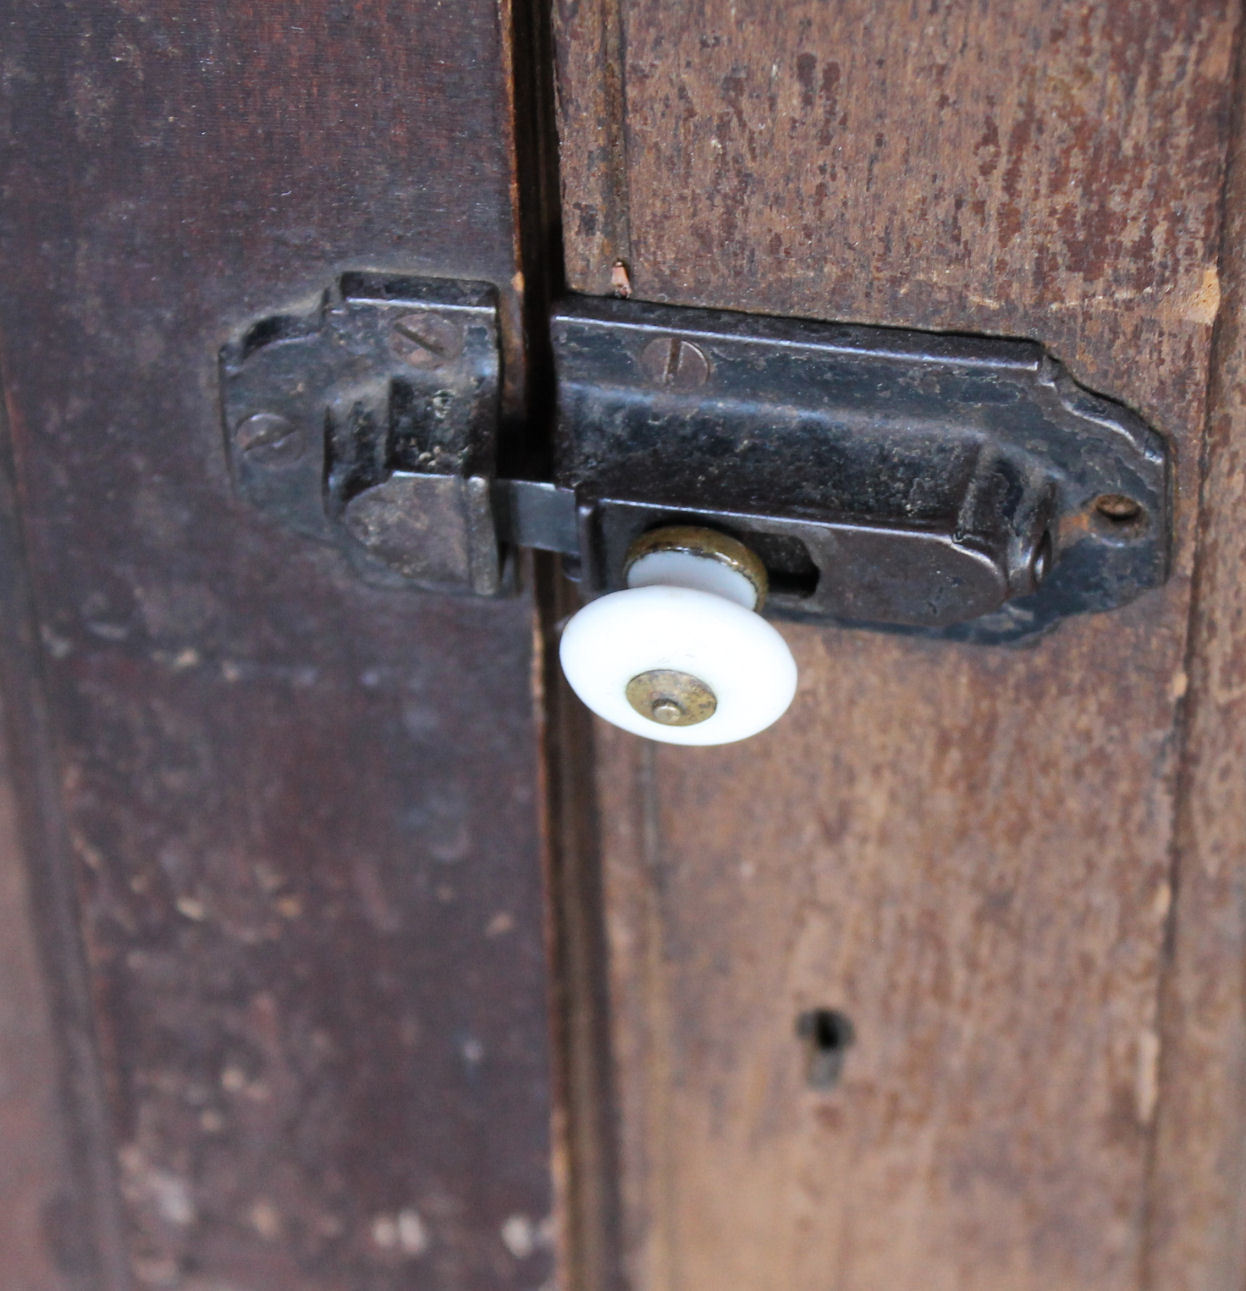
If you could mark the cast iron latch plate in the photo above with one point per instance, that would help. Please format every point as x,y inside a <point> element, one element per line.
<point>951,485</point>
<point>386,384</point>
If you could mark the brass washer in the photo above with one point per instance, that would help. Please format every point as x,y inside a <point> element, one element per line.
<point>671,698</point>
<point>708,543</point>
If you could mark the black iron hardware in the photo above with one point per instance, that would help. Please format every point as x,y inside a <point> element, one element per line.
<point>954,485</point>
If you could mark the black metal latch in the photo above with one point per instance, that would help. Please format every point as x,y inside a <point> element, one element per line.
<point>959,486</point>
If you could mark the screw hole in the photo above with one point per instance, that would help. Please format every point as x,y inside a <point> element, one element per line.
<point>827,1035</point>
<point>1118,515</point>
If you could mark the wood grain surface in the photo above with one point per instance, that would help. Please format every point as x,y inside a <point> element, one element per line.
<point>1198,1219</point>
<point>970,852</point>
<point>299,812</point>
<point>45,1245</point>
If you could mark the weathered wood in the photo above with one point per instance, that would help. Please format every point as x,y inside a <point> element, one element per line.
<point>303,810</point>
<point>965,850</point>
<point>54,1080</point>
<point>592,125</point>
<point>587,1166</point>
<point>44,1235</point>
<point>1198,1219</point>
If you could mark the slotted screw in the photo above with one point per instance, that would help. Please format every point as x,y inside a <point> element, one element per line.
<point>268,439</point>
<point>675,362</point>
<point>425,340</point>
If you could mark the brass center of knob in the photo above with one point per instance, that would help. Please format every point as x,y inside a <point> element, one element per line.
<point>670,697</point>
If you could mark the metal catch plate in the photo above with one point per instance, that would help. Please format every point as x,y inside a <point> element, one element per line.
<point>369,419</point>
<point>954,485</point>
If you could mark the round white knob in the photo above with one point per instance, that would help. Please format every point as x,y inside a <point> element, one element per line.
<point>681,656</point>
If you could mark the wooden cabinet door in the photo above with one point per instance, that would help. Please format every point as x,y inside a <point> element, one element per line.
<point>339,949</point>
<point>1017,872</point>
<point>285,1018</point>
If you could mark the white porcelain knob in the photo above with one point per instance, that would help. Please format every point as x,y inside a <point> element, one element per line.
<point>682,656</point>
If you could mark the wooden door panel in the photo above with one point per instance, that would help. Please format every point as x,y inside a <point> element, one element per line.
<point>968,851</point>
<point>302,811</point>
<point>39,1170</point>
<point>1197,1221</point>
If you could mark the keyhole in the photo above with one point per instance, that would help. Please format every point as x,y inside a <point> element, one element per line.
<point>827,1035</point>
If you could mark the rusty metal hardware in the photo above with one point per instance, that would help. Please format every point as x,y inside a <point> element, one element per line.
<point>958,486</point>
<point>382,397</point>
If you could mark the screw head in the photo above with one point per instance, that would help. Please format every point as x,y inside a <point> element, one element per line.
<point>269,440</point>
<point>675,362</point>
<point>666,711</point>
<point>425,340</point>
<point>1117,506</point>
<point>1118,517</point>
<point>671,698</point>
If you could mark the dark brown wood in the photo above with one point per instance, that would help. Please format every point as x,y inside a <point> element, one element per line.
<point>966,850</point>
<point>1198,1220</point>
<point>592,124</point>
<point>55,1073</point>
<point>40,1201</point>
<point>302,810</point>
<point>585,1124</point>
